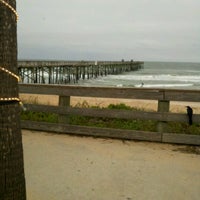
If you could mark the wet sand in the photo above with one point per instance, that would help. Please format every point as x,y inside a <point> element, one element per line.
<point>67,167</point>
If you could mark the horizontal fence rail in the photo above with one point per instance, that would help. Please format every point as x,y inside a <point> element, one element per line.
<point>113,133</point>
<point>112,92</point>
<point>163,96</point>
<point>106,113</point>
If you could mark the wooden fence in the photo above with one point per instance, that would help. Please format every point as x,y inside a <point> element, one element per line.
<point>163,96</point>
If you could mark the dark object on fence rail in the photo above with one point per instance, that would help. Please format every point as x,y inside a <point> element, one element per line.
<point>190,114</point>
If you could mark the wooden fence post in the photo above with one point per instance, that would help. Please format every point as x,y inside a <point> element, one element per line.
<point>64,101</point>
<point>163,106</point>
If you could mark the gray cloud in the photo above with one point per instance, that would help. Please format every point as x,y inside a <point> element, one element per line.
<point>167,30</point>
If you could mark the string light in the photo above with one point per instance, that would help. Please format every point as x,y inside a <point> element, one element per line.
<point>11,8</point>
<point>10,73</point>
<point>15,76</point>
<point>13,99</point>
<point>10,99</point>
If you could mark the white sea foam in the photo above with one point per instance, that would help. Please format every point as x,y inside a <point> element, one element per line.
<point>162,77</point>
<point>162,85</point>
<point>119,85</point>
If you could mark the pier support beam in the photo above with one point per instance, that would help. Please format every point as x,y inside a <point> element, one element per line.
<point>70,72</point>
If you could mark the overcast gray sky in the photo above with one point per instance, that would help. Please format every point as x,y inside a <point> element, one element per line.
<point>150,30</point>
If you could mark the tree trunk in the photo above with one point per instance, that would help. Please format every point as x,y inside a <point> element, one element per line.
<point>12,180</point>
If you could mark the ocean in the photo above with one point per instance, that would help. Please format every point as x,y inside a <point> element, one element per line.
<point>171,75</point>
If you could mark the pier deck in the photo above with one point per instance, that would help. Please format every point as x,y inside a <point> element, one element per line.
<point>70,72</point>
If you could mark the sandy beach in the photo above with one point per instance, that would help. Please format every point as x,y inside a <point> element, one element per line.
<point>66,167</point>
<point>151,105</point>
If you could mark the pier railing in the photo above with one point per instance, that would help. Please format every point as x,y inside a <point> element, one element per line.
<point>70,72</point>
<point>163,96</point>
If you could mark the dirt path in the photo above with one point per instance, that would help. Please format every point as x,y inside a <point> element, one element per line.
<point>62,167</point>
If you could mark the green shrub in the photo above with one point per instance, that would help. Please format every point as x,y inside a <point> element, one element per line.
<point>120,106</point>
<point>39,116</point>
<point>144,125</point>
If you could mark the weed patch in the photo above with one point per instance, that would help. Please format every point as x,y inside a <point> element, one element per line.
<point>144,125</point>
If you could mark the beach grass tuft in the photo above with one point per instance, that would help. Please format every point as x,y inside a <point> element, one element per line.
<point>143,125</point>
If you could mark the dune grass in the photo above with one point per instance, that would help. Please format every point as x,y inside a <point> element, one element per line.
<point>143,125</point>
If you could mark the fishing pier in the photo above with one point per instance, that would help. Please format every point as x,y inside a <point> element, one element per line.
<point>70,72</point>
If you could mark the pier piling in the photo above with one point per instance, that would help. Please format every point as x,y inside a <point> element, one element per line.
<point>70,72</point>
